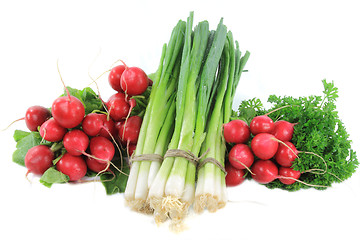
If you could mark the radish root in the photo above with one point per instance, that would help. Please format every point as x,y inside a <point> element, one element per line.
<point>67,91</point>
<point>23,118</point>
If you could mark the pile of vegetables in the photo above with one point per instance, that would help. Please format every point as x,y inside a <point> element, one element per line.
<point>183,142</point>
<point>83,136</point>
<point>181,136</point>
<point>298,143</point>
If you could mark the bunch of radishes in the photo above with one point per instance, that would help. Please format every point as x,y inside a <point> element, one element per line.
<point>269,154</point>
<point>87,141</point>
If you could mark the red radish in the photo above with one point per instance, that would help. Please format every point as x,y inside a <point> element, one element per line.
<point>96,166</point>
<point>115,76</point>
<point>131,149</point>
<point>286,154</point>
<point>264,145</point>
<point>108,129</point>
<point>283,130</point>
<point>288,176</point>
<point>35,116</point>
<point>38,159</point>
<point>134,81</point>
<point>261,124</point>
<point>95,124</point>
<point>76,142</point>
<point>51,131</point>
<point>132,104</point>
<point>118,125</point>
<point>236,131</point>
<point>68,111</point>
<point>129,131</point>
<point>240,156</point>
<point>264,171</point>
<point>102,149</point>
<point>92,124</point>
<point>233,176</point>
<point>72,166</point>
<point>118,106</point>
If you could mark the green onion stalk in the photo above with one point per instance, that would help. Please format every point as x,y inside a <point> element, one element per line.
<point>173,189</point>
<point>158,124</point>
<point>211,188</point>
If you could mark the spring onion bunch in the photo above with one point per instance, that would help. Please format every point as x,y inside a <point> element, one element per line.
<point>202,83</point>
<point>157,126</point>
<point>211,187</point>
<point>190,101</point>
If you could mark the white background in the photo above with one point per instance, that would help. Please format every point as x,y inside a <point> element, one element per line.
<point>293,45</point>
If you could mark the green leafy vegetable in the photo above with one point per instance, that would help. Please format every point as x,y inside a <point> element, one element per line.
<point>248,109</point>
<point>320,130</point>
<point>51,176</point>
<point>88,97</point>
<point>115,184</point>
<point>114,181</point>
<point>25,141</point>
<point>19,134</point>
<point>141,103</point>
<point>92,102</point>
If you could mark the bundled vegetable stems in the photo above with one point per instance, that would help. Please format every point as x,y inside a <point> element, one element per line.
<point>197,78</point>
<point>211,187</point>
<point>157,126</point>
<point>174,186</point>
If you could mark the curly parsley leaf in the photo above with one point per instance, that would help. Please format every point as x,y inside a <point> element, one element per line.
<point>248,109</point>
<point>319,130</point>
<point>330,91</point>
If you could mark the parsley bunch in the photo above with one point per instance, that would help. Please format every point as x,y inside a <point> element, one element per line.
<point>318,130</point>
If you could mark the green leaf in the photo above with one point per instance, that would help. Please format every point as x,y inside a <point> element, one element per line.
<point>19,134</point>
<point>25,141</point>
<point>248,109</point>
<point>141,103</point>
<point>247,114</point>
<point>52,176</point>
<point>330,91</point>
<point>254,103</point>
<point>88,97</point>
<point>115,182</point>
<point>91,100</point>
